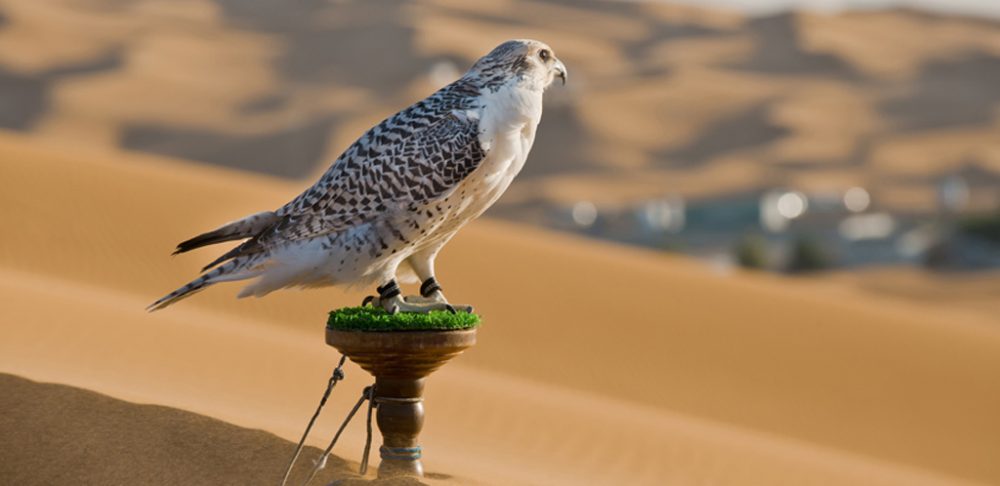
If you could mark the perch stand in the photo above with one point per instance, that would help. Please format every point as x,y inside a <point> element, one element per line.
<point>400,361</point>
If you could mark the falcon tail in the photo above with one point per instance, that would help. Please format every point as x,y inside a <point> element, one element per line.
<point>244,228</point>
<point>188,290</point>
<point>228,272</point>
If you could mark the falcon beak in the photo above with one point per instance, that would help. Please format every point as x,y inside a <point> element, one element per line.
<point>561,71</point>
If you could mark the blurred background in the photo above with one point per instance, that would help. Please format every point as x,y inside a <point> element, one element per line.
<point>787,159</point>
<point>854,142</point>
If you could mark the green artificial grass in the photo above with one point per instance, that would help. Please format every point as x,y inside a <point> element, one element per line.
<point>370,318</point>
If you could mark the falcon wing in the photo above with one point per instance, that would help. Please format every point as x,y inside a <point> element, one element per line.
<point>418,169</point>
<point>389,168</point>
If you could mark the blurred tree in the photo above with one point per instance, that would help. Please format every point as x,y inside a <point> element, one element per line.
<point>751,252</point>
<point>807,255</point>
<point>986,226</point>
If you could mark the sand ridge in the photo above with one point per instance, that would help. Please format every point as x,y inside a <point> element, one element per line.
<point>100,440</point>
<point>684,97</point>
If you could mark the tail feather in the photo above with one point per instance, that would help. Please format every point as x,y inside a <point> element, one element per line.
<point>188,290</point>
<point>225,273</point>
<point>229,255</point>
<point>236,230</point>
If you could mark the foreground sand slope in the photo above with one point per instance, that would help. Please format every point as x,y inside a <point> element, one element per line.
<point>100,440</point>
<point>597,363</point>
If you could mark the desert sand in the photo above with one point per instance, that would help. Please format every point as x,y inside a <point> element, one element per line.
<point>106,441</point>
<point>596,364</point>
<point>664,99</point>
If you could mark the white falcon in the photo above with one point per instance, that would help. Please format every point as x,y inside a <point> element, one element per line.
<point>396,196</point>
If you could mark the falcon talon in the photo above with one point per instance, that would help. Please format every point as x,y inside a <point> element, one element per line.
<point>450,308</point>
<point>416,299</point>
<point>368,300</point>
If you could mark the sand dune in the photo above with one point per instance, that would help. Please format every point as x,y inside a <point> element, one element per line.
<point>100,440</point>
<point>596,364</point>
<point>690,101</point>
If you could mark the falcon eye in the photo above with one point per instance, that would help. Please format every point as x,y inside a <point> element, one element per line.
<point>544,54</point>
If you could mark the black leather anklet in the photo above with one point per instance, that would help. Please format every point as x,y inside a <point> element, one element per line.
<point>388,290</point>
<point>429,287</point>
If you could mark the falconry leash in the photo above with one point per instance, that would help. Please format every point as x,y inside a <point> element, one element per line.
<point>367,394</point>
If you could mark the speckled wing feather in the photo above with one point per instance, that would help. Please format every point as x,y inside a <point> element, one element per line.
<point>414,157</point>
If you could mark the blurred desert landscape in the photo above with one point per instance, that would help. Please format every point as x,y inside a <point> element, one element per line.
<point>131,125</point>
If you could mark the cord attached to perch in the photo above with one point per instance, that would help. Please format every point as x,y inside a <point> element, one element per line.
<point>367,394</point>
<point>337,375</point>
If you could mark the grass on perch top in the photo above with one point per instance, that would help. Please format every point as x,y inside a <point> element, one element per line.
<point>369,318</point>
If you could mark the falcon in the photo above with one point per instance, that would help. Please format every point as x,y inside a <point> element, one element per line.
<point>394,198</point>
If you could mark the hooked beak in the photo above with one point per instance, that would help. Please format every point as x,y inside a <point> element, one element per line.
<point>561,71</point>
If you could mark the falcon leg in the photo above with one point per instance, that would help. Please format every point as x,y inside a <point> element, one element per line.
<point>430,292</point>
<point>390,299</point>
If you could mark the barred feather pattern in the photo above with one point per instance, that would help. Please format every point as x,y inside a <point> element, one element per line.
<point>403,188</point>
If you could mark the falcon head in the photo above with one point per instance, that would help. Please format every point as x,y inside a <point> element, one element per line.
<point>530,62</point>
